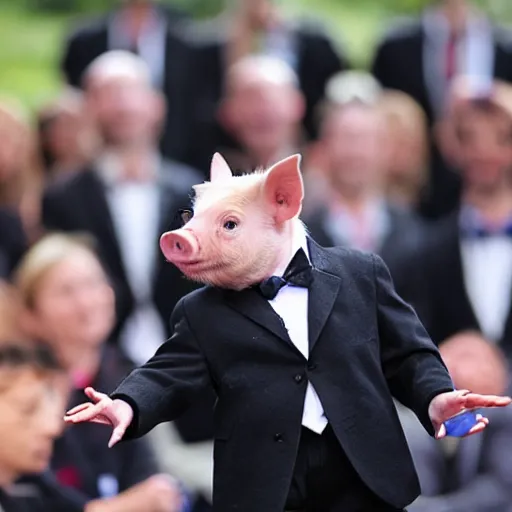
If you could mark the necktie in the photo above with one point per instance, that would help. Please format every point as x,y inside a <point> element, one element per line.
<point>451,57</point>
<point>484,232</point>
<point>298,273</point>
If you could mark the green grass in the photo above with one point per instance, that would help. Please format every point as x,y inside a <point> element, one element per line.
<point>31,43</point>
<point>29,54</point>
<point>355,24</point>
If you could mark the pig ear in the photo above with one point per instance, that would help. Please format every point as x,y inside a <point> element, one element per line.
<point>219,170</point>
<point>284,188</point>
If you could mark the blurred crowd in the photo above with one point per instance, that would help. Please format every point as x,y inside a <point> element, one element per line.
<point>411,160</point>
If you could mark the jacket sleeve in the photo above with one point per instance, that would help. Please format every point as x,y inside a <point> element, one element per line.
<point>381,65</point>
<point>411,362</point>
<point>53,211</point>
<point>163,388</point>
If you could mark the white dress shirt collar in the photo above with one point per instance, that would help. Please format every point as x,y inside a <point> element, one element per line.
<point>109,170</point>
<point>151,43</point>
<point>436,26</point>
<point>342,225</point>
<point>474,54</point>
<point>299,241</point>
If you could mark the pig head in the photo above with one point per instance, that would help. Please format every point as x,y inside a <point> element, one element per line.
<point>242,227</point>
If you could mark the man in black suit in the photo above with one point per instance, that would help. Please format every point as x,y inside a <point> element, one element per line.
<point>473,474</point>
<point>147,29</point>
<point>461,278</point>
<point>422,58</point>
<point>351,208</point>
<point>304,362</point>
<point>255,27</point>
<point>13,242</point>
<point>125,199</point>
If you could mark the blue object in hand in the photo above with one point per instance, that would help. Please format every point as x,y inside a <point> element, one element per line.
<point>460,425</point>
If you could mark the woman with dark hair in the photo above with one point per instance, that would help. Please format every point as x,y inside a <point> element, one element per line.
<point>66,139</point>
<point>66,302</point>
<point>12,241</point>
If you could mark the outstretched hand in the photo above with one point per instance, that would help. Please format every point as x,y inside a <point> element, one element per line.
<point>446,405</point>
<point>104,410</point>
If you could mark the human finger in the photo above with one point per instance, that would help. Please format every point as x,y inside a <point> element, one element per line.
<point>477,428</point>
<point>475,401</point>
<point>87,414</point>
<point>441,432</point>
<point>117,435</point>
<point>79,408</point>
<point>94,395</point>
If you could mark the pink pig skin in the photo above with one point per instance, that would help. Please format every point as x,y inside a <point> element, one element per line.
<point>242,228</point>
<point>181,246</point>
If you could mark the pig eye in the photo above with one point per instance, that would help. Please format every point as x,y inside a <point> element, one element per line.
<point>230,225</point>
<point>186,215</point>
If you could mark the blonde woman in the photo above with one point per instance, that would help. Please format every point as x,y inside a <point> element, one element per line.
<point>21,179</point>
<point>409,160</point>
<point>67,304</point>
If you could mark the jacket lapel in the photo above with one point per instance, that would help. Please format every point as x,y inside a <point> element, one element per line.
<point>322,293</point>
<point>252,305</point>
<point>95,203</point>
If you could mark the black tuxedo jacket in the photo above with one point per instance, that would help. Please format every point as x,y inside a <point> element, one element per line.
<point>399,64</point>
<point>405,234</point>
<point>13,241</point>
<point>432,280</point>
<point>42,493</point>
<point>365,345</point>
<point>91,40</point>
<point>79,204</point>
<point>317,59</point>
<point>399,61</point>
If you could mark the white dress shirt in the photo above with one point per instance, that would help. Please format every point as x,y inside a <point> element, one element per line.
<point>151,44</point>
<point>487,269</point>
<point>474,54</point>
<point>366,232</point>
<point>281,43</point>
<point>134,207</point>
<point>291,304</point>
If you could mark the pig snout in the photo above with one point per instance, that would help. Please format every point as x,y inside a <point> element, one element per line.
<point>180,246</point>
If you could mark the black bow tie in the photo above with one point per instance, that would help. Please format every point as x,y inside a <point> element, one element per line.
<point>298,273</point>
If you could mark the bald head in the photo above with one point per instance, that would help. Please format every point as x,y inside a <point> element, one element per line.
<point>127,109</point>
<point>117,65</point>
<point>260,70</point>
<point>263,105</point>
<point>475,364</point>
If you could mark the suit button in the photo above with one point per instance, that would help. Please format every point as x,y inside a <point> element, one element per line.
<point>298,378</point>
<point>278,438</point>
<point>312,366</point>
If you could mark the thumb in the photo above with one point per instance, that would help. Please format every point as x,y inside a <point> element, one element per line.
<point>441,432</point>
<point>94,395</point>
<point>117,435</point>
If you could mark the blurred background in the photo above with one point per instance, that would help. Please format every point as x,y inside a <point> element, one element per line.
<point>32,31</point>
<point>110,113</point>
